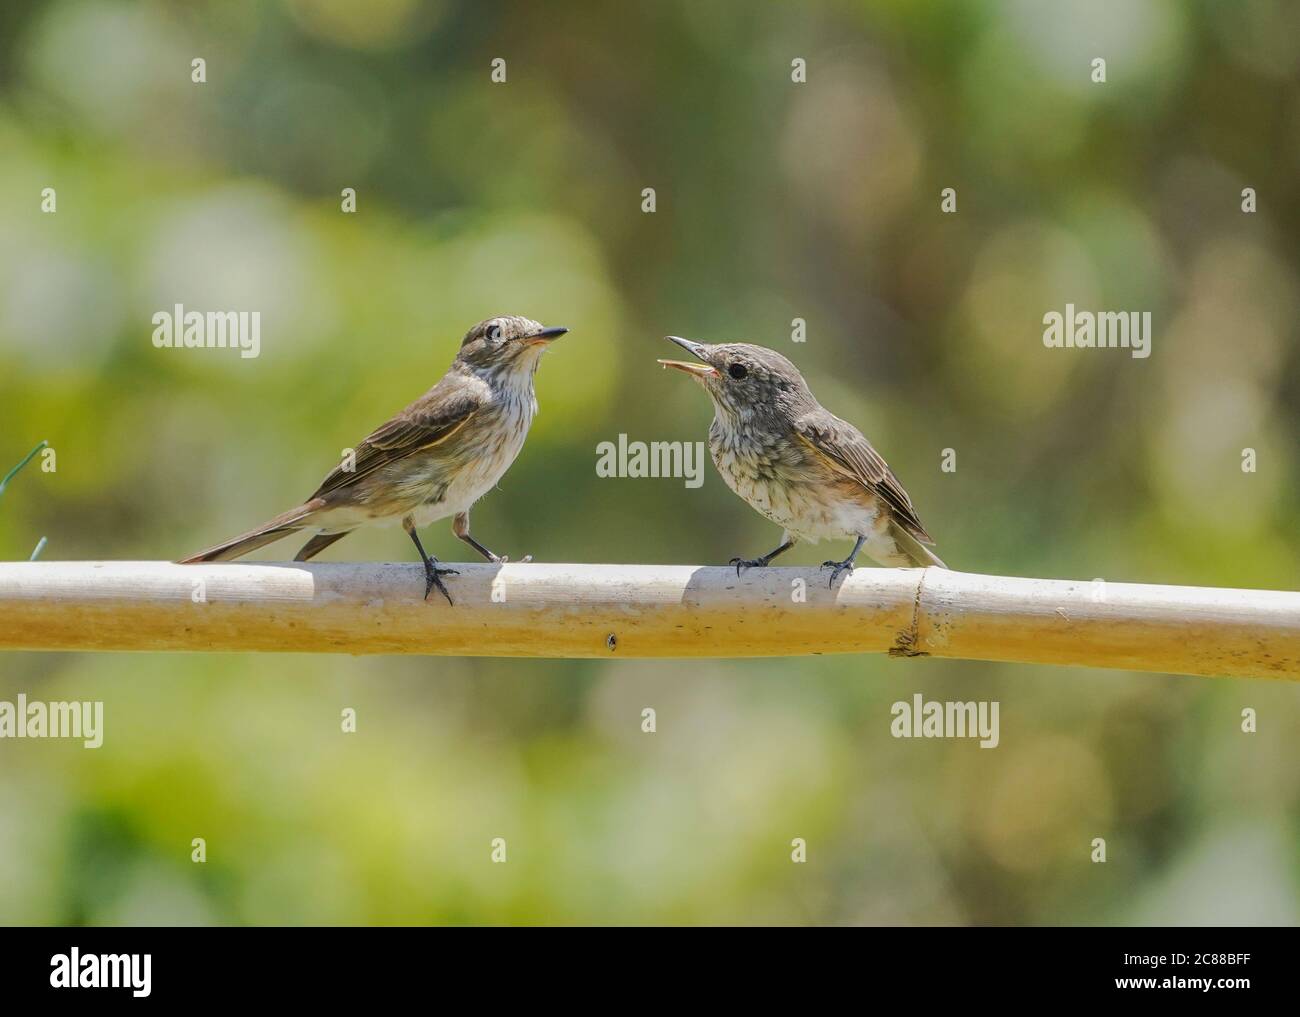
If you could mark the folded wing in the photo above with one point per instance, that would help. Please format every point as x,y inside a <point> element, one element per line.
<point>426,423</point>
<point>842,447</point>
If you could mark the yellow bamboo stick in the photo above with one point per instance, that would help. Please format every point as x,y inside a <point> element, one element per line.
<point>627,611</point>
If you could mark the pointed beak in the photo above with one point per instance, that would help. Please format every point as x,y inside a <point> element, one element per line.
<point>546,335</point>
<point>698,350</point>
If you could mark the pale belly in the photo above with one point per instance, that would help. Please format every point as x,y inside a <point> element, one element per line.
<point>473,479</point>
<point>803,511</point>
<point>432,486</point>
<point>805,502</point>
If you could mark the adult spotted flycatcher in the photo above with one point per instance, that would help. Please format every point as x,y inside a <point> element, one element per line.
<point>434,459</point>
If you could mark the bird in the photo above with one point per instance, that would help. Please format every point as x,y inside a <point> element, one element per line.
<point>798,464</point>
<point>432,460</point>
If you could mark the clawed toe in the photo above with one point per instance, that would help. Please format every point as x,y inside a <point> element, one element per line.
<point>746,563</point>
<point>504,559</point>
<point>433,577</point>
<point>837,569</point>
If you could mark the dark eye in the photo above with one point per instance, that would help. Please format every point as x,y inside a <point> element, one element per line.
<point>737,371</point>
<point>494,333</point>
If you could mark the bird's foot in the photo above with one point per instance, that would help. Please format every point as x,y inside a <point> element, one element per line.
<point>837,569</point>
<point>504,559</point>
<point>748,563</point>
<point>433,577</point>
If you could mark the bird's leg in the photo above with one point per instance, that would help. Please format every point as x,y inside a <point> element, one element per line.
<point>761,562</point>
<point>846,565</point>
<point>460,527</point>
<point>432,574</point>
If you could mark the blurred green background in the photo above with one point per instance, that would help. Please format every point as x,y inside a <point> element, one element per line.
<point>775,201</point>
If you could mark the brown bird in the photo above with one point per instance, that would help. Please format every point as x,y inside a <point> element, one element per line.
<point>797,463</point>
<point>434,459</point>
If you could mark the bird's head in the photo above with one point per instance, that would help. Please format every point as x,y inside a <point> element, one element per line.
<point>742,379</point>
<point>508,343</point>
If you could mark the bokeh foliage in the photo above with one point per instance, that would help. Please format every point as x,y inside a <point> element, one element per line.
<point>775,201</point>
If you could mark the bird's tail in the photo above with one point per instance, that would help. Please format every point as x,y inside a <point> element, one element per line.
<point>273,529</point>
<point>920,555</point>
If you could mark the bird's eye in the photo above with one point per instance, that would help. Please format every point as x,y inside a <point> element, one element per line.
<point>737,371</point>
<point>494,333</point>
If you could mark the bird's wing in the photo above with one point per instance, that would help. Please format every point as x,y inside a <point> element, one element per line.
<point>842,447</point>
<point>429,421</point>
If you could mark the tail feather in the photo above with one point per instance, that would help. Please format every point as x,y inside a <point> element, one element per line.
<point>317,544</point>
<point>921,556</point>
<point>271,530</point>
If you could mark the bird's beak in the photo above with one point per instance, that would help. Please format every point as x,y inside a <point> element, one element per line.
<point>546,335</point>
<point>700,370</point>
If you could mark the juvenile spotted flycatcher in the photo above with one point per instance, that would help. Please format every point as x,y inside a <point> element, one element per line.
<point>797,463</point>
<point>434,459</point>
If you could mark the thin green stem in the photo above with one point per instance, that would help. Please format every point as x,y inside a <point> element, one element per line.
<point>26,459</point>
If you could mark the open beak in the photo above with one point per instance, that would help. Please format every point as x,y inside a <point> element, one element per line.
<point>546,335</point>
<point>700,370</point>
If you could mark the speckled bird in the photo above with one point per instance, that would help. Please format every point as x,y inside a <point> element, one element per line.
<point>434,459</point>
<point>797,463</point>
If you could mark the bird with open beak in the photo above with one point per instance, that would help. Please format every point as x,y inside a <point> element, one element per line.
<point>434,459</point>
<point>797,463</point>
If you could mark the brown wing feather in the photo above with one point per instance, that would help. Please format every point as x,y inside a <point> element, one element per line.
<point>429,421</point>
<point>842,446</point>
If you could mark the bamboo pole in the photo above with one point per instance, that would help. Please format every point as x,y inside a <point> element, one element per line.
<point>628,611</point>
